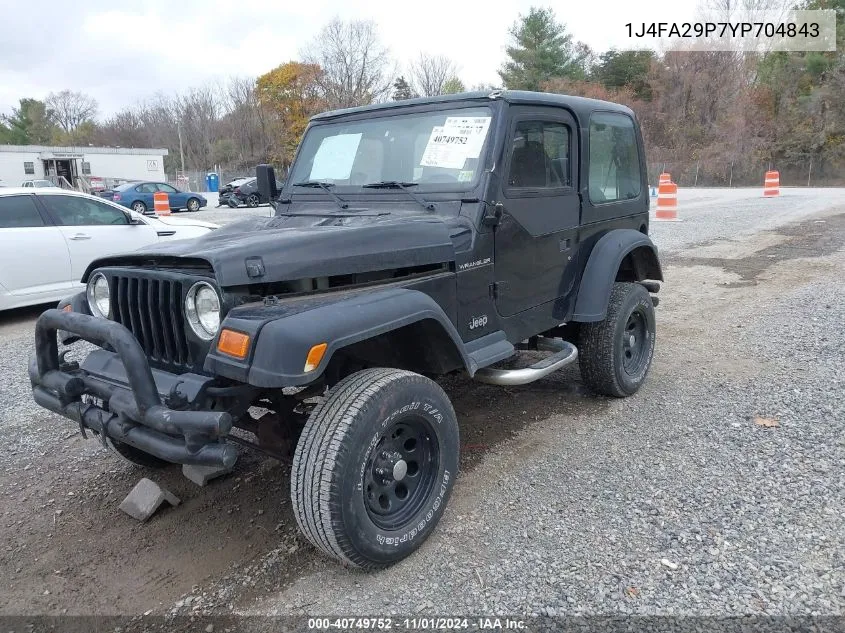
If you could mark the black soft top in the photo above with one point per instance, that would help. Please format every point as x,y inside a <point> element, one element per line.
<point>581,107</point>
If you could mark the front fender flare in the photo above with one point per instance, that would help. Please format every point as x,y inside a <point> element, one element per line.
<point>282,344</point>
<point>603,264</point>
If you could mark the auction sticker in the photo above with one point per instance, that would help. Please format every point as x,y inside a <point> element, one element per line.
<point>457,139</point>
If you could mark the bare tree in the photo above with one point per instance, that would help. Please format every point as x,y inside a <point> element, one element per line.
<point>69,109</point>
<point>429,74</point>
<point>357,68</point>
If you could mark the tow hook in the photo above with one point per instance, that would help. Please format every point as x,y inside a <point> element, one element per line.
<point>175,400</point>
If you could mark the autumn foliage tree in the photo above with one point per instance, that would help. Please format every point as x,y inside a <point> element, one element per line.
<point>291,94</point>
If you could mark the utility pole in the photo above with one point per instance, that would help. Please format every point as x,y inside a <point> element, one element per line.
<point>181,153</point>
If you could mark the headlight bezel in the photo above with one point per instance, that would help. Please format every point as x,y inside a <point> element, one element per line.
<point>192,314</point>
<point>91,296</point>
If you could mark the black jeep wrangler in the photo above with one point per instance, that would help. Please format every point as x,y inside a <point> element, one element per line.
<point>410,240</point>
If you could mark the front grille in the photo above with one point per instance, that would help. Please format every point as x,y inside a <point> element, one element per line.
<point>152,310</point>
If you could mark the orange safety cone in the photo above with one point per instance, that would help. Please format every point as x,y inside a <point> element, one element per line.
<point>771,185</point>
<point>667,202</point>
<point>161,203</point>
<point>664,177</point>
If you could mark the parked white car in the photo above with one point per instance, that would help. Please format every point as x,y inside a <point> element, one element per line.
<point>37,184</point>
<point>49,236</point>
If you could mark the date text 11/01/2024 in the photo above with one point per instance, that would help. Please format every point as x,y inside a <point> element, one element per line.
<point>723,29</point>
<point>417,624</point>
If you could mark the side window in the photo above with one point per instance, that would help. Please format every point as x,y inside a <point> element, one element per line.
<point>146,188</point>
<point>614,162</point>
<point>166,188</point>
<point>79,211</point>
<point>18,212</point>
<point>540,156</point>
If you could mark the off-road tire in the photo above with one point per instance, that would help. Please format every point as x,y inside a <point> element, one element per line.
<point>135,456</point>
<point>602,345</point>
<point>334,461</point>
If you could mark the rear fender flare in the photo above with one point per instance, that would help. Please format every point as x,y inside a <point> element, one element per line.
<point>603,266</point>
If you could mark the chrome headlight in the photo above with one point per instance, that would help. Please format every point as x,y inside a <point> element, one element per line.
<point>98,295</point>
<point>202,309</point>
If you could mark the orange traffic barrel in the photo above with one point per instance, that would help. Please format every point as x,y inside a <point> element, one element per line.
<point>161,203</point>
<point>771,185</point>
<point>667,202</point>
<point>664,177</point>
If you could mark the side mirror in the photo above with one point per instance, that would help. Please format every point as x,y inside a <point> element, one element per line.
<point>132,219</point>
<point>267,182</point>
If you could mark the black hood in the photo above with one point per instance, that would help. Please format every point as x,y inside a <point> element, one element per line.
<point>298,247</point>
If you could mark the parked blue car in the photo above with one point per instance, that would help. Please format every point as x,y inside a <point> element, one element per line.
<point>138,196</point>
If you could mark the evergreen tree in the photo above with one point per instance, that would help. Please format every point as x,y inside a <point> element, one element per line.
<point>541,50</point>
<point>402,90</point>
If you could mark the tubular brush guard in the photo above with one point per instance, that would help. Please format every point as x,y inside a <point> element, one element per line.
<point>132,414</point>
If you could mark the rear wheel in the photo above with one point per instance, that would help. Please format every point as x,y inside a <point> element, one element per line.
<point>252,200</point>
<point>375,466</point>
<point>139,207</point>
<point>615,354</point>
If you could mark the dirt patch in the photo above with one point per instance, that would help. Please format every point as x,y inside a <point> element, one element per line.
<point>808,239</point>
<point>67,548</point>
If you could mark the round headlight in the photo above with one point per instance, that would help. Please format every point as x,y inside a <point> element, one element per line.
<point>202,309</point>
<point>98,295</point>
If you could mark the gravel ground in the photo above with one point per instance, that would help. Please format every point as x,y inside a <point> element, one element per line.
<point>674,502</point>
<point>717,490</point>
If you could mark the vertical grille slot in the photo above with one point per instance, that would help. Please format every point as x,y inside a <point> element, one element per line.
<point>152,310</point>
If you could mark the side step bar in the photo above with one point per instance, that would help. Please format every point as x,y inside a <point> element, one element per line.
<point>564,353</point>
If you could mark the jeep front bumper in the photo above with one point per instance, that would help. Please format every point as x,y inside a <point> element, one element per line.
<point>123,395</point>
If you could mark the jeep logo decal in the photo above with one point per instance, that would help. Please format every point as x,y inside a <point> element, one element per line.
<point>477,322</point>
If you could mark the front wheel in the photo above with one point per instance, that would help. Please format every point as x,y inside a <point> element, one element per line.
<point>615,354</point>
<point>374,467</point>
<point>193,204</point>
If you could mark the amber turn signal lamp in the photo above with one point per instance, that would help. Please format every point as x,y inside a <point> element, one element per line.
<point>233,343</point>
<point>315,355</point>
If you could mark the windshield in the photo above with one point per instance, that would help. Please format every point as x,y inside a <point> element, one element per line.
<point>427,148</point>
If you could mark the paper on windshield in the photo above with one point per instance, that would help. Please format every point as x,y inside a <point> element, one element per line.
<point>334,157</point>
<point>452,143</point>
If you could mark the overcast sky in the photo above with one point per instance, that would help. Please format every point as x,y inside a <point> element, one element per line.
<point>124,52</point>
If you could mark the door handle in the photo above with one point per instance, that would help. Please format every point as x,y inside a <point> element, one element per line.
<point>80,236</point>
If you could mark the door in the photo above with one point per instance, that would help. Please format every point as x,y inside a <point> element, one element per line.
<point>143,192</point>
<point>94,229</point>
<point>177,199</point>
<point>537,236</point>
<point>34,258</point>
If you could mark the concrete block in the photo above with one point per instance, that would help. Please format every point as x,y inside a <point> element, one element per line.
<point>201,475</point>
<point>146,497</point>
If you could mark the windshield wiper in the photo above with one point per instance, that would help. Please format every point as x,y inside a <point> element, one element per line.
<point>404,186</point>
<point>325,186</point>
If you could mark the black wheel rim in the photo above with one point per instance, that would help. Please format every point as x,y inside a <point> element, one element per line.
<point>635,339</point>
<point>400,472</point>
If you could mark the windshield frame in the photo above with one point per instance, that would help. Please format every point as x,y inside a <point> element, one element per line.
<point>439,190</point>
